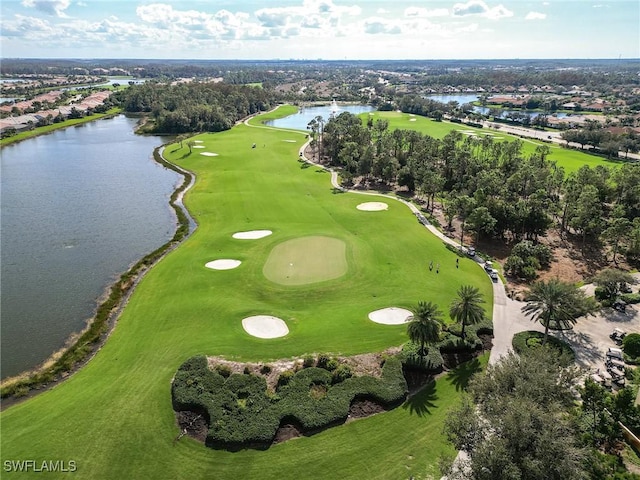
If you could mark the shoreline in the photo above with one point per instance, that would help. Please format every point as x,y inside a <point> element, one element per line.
<point>88,342</point>
<point>47,129</point>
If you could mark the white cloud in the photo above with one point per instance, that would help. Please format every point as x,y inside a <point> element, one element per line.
<point>601,6</point>
<point>479,7</point>
<point>425,13</point>
<point>535,16</point>
<point>50,7</point>
<point>382,11</point>
<point>379,25</point>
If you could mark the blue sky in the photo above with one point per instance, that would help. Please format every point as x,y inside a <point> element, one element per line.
<point>328,29</point>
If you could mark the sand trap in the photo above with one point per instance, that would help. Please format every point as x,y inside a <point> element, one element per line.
<point>209,154</point>
<point>198,146</point>
<point>391,316</point>
<point>252,235</point>
<point>223,264</point>
<point>372,206</point>
<point>290,141</point>
<point>265,326</point>
<point>198,141</point>
<point>412,119</point>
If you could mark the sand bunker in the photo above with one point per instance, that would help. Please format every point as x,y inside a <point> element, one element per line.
<point>265,326</point>
<point>209,154</point>
<point>372,206</point>
<point>252,235</point>
<point>290,141</point>
<point>198,146</point>
<point>391,316</point>
<point>223,264</point>
<point>412,119</point>
<point>198,141</point>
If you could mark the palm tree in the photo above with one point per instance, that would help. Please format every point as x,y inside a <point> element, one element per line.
<point>425,325</point>
<point>554,302</point>
<point>467,308</point>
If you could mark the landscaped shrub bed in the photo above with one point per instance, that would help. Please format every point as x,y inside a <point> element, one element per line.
<point>529,339</point>
<point>451,342</point>
<point>241,412</point>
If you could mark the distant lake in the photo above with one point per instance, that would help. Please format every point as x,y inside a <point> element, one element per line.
<point>79,206</point>
<point>470,98</point>
<point>300,120</point>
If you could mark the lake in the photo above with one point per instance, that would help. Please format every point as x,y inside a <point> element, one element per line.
<point>470,98</point>
<point>78,207</point>
<point>300,120</point>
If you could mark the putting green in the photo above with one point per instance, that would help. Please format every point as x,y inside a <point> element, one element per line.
<point>305,260</point>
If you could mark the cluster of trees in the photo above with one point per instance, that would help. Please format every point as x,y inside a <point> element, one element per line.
<point>491,186</point>
<point>425,326</point>
<point>194,106</point>
<point>604,141</point>
<point>519,420</point>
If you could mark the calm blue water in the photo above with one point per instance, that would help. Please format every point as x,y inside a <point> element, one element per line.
<point>300,120</point>
<point>469,98</point>
<point>78,207</point>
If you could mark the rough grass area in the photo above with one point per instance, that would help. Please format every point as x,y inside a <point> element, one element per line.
<point>305,260</point>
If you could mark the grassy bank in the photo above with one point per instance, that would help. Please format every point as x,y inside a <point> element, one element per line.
<point>114,416</point>
<point>57,126</point>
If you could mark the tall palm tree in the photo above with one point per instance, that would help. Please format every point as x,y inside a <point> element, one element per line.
<point>467,308</point>
<point>425,325</point>
<point>554,302</point>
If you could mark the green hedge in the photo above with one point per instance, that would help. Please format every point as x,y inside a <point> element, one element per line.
<point>524,341</point>
<point>242,414</point>
<point>630,298</point>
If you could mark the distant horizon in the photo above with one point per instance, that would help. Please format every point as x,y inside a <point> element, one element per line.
<point>266,60</point>
<point>321,29</point>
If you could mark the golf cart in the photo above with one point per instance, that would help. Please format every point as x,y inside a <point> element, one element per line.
<point>619,305</point>
<point>614,363</point>
<point>617,335</point>
<point>615,353</point>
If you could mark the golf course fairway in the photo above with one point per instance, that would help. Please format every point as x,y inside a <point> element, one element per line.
<point>114,418</point>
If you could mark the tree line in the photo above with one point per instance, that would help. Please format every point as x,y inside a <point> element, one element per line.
<point>493,187</point>
<point>194,106</point>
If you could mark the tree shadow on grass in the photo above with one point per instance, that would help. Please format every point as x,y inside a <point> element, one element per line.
<point>335,190</point>
<point>461,375</point>
<point>421,403</point>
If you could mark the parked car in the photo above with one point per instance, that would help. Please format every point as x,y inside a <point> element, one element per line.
<point>488,266</point>
<point>618,335</point>
<point>494,274</point>
<point>471,252</point>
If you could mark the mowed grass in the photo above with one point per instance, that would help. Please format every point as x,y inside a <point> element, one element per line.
<point>114,416</point>
<point>306,260</point>
<point>569,160</point>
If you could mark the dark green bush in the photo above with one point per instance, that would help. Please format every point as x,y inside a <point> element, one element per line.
<point>265,369</point>
<point>341,373</point>
<point>411,358</point>
<point>241,414</point>
<point>332,364</point>
<point>524,341</point>
<point>307,361</point>
<point>285,377</point>
<point>323,359</point>
<point>631,345</point>
<point>600,293</point>
<point>630,298</point>
<point>223,370</point>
